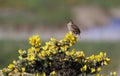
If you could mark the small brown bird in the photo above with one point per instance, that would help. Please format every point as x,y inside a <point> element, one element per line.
<point>73,28</point>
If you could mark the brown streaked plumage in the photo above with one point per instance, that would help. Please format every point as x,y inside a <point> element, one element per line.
<point>73,28</point>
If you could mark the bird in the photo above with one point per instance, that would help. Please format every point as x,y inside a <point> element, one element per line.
<point>73,28</point>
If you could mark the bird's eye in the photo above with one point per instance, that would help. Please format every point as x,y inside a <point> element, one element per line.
<point>75,32</point>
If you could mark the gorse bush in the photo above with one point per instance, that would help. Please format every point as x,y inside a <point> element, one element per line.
<point>55,59</point>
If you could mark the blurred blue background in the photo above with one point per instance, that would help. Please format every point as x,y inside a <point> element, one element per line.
<point>99,21</point>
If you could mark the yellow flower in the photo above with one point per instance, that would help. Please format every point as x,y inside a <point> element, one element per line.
<point>23,69</point>
<point>48,43</point>
<point>98,58</point>
<point>92,57</point>
<point>10,74</point>
<point>31,50</point>
<point>11,67</point>
<point>102,54</point>
<point>53,73</point>
<point>92,70</point>
<point>35,41</point>
<point>31,62</point>
<point>14,62</point>
<point>84,68</point>
<point>4,70</point>
<point>37,49</point>
<point>70,38</point>
<point>44,74</point>
<point>16,70</point>
<point>53,51</point>
<point>61,41</point>
<point>107,59</point>
<point>37,74</point>
<point>72,52</point>
<point>99,69</point>
<point>31,57</point>
<point>79,54</point>
<point>64,48</point>
<point>48,53</point>
<point>45,47</point>
<point>67,53</point>
<point>53,39</point>
<point>105,54</point>
<point>20,52</point>
<point>52,47</point>
<point>42,54</point>
<point>20,57</point>
<point>105,63</point>
<point>114,73</point>
<point>98,74</point>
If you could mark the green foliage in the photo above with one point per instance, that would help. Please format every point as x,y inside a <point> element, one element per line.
<point>52,11</point>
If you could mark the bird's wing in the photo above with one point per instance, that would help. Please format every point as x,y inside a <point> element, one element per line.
<point>76,29</point>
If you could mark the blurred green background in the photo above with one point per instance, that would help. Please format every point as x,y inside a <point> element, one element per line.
<point>49,15</point>
<point>52,12</point>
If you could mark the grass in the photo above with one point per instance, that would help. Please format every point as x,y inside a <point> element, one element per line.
<point>9,51</point>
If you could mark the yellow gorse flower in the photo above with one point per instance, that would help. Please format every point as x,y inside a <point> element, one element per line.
<point>4,70</point>
<point>98,74</point>
<point>23,69</point>
<point>53,73</point>
<point>92,70</point>
<point>20,52</point>
<point>44,74</point>
<point>31,57</point>
<point>35,41</point>
<point>64,48</point>
<point>31,50</point>
<point>11,67</point>
<point>14,62</point>
<point>79,54</point>
<point>99,69</point>
<point>114,73</point>
<point>84,68</point>
<point>70,38</point>
<point>53,40</point>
